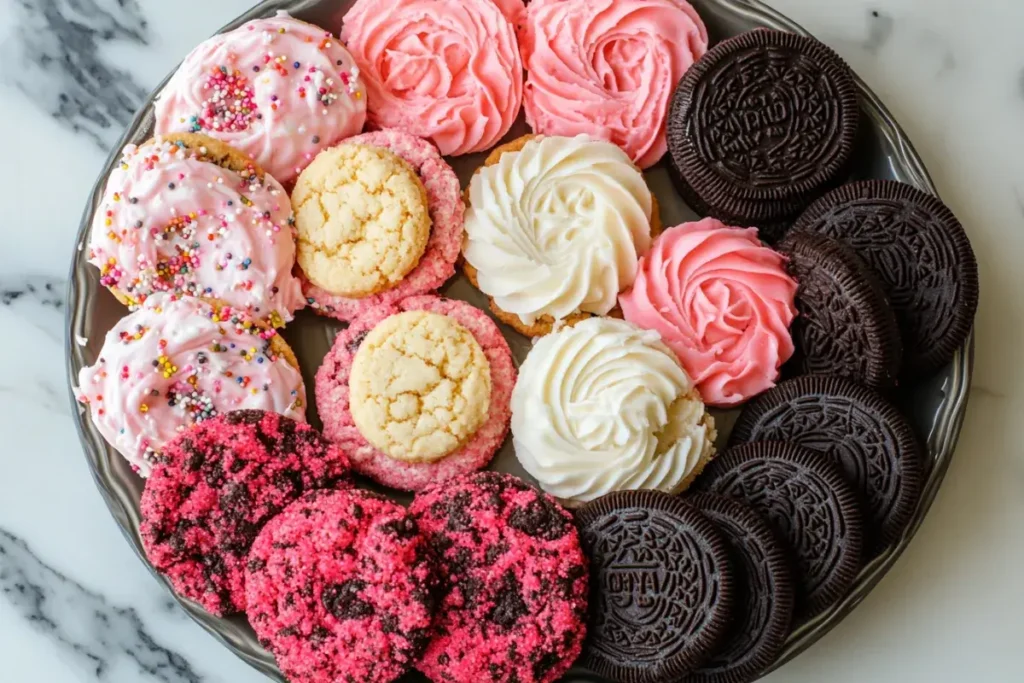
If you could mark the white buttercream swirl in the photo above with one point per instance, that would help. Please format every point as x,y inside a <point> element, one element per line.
<point>557,227</point>
<point>605,406</point>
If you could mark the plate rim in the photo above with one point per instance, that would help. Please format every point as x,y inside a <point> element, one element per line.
<point>940,443</point>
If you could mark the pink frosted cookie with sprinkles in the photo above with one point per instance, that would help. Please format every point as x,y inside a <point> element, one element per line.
<point>190,216</point>
<point>214,488</point>
<point>446,70</point>
<point>513,580</point>
<point>175,362</point>
<point>444,409</point>
<point>446,207</point>
<point>279,89</point>
<point>340,588</point>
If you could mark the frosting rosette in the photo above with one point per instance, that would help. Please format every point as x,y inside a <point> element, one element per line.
<point>557,227</point>
<point>447,70</point>
<point>722,301</point>
<point>604,406</point>
<point>608,68</point>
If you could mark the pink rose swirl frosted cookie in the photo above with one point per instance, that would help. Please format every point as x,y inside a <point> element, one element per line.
<point>279,89</point>
<point>722,301</point>
<point>514,582</point>
<point>608,68</point>
<point>173,221</point>
<point>175,362</point>
<point>340,588</point>
<point>444,200</point>
<point>335,407</point>
<point>215,487</point>
<point>447,70</point>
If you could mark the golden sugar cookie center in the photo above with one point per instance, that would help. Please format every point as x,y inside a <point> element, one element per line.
<point>362,218</point>
<point>420,386</point>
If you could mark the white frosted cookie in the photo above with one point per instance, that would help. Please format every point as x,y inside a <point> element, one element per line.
<point>420,386</point>
<point>362,219</point>
<point>605,406</point>
<point>555,227</point>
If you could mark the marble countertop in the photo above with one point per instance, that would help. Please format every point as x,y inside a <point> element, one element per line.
<point>76,604</point>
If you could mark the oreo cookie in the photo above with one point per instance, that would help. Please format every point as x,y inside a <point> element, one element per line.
<point>762,125</point>
<point>873,443</point>
<point>845,325</point>
<point>921,254</point>
<point>661,586</point>
<point>807,502</point>
<point>765,593</point>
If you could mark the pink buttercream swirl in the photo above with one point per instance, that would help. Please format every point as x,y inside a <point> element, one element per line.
<point>607,68</point>
<point>447,70</point>
<point>722,301</point>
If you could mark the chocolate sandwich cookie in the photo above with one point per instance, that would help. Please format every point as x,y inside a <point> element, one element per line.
<point>921,254</point>
<point>340,587</point>
<point>808,503</point>
<point>873,443</point>
<point>845,325</point>
<point>661,586</point>
<point>513,582</point>
<point>765,593</point>
<point>762,125</point>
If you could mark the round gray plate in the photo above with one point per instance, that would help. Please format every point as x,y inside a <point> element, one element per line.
<point>883,151</point>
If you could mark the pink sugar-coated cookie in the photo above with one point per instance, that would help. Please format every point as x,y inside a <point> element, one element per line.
<point>332,395</point>
<point>279,89</point>
<point>514,581</point>
<point>215,487</point>
<point>444,199</point>
<point>340,588</point>
<point>446,70</point>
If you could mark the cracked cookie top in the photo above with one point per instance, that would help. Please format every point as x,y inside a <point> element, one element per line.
<point>362,218</point>
<point>420,386</point>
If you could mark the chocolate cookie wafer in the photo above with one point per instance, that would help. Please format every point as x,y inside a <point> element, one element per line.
<point>873,443</point>
<point>762,125</point>
<point>845,325</point>
<point>661,586</point>
<point>921,254</point>
<point>765,593</point>
<point>806,500</point>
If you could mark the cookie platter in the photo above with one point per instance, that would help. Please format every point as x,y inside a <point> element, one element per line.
<point>936,406</point>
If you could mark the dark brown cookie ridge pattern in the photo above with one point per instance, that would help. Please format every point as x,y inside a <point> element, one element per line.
<point>765,593</point>
<point>661,586</point>
<point>845,325</point>
<point>873,443</point>
<point>763,123</point>
<point>806,500</point>
<point>921,254</point>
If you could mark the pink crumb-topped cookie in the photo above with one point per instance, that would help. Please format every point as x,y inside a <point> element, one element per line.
<point>173,220</point>
<point>340,588</point>
<point>215,487</point>
<point>514,582</point>
<point>334,404</point>
<point>722,301</point>
<point>446,207</point>
<point>175,362</point>
<point>608,68</point>
<point>279,89</point>
<point>446,70</point>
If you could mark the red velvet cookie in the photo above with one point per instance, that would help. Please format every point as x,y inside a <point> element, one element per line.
<point>214,488</point>
<point>514,581</point>
<point>340,588</point>
<point>332,395</point>
<point>444,201</point>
